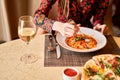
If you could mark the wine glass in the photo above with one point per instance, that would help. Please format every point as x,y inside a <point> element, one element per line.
<point>26,32</point>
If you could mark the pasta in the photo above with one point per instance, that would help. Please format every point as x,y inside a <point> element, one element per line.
<point>81,41</point>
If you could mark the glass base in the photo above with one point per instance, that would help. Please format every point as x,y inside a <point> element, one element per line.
<point>29,58</point>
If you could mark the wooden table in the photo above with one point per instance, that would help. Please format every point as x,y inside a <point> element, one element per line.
<point>11,68</point>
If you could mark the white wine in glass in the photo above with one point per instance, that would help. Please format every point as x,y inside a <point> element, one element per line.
<point>26,32</point>
<point>26,28</point>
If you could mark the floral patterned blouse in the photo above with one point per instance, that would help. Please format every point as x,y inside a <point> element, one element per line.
<point>80,13</point>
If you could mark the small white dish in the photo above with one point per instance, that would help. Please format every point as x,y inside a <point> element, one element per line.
<point>70,73</point>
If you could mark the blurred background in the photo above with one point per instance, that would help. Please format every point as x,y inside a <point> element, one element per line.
<point>11,10</point>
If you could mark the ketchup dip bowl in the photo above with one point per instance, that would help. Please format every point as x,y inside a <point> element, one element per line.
<point>70,73</point>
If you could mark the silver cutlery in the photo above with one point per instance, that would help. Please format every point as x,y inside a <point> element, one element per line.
<point>58,52</point>
<point>51,46</point>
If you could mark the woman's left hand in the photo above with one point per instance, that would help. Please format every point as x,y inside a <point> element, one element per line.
<point>102,28</point>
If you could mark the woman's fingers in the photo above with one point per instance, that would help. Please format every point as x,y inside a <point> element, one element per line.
<point>97,27</point>
<point>102,28</point>
<point>76,28</point>
<point>71,30</point>
<point>68,31</point>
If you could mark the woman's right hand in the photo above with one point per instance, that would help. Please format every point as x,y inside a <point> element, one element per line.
<point>66,29</point>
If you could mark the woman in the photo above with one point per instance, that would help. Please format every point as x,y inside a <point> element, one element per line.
<point>79,12</point>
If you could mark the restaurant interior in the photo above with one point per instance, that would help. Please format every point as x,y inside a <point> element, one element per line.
<point>50,56</point>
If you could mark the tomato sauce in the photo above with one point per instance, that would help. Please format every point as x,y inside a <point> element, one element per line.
<point>70,72</point>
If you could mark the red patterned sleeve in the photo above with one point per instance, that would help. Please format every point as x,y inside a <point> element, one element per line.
<point>100,11</point>
<point>41,15</point>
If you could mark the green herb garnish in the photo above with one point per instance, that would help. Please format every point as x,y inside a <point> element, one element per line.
<point>77,39</point>
<point>111,78</point>
<point>117,70</point>
<point>118,59</point>
<point>101,75</point>
<point>89,71</point>
<point>108,65</point>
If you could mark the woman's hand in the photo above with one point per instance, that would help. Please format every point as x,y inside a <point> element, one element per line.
<point>102,28</point>
<point>66,29</point>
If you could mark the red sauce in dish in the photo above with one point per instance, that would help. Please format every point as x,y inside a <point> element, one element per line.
<point>70,72</point>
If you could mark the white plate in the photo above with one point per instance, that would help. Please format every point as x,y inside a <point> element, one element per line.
<point>100,38</point>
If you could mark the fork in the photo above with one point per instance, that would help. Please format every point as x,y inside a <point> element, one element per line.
<point>83,34</point>
<point>50,46</point>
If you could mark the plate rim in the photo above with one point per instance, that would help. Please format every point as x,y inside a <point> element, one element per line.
<point>86,50</point>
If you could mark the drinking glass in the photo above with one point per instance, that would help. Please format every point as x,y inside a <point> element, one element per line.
<point>26,32</point>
